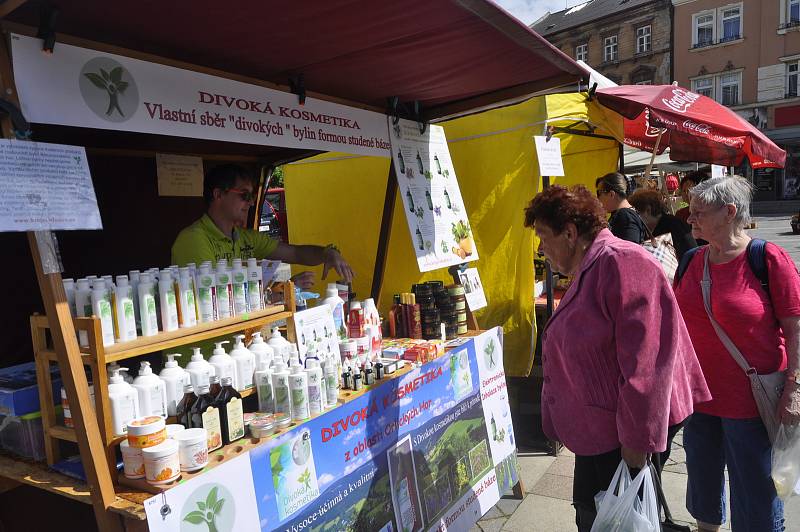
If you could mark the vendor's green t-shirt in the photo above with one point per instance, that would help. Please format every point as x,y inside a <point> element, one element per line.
<point>204,241</point>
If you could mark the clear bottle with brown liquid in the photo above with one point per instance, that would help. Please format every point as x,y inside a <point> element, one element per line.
<point>185,405</point>
<point>231,412</point>
<point>215,386</point>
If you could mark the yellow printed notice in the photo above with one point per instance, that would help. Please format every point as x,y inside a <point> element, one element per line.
<point>179,175</point>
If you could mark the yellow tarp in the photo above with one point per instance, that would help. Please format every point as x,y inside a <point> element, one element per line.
<point>339,198</point>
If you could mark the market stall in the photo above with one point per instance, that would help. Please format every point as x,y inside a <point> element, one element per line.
<point>129,106</point>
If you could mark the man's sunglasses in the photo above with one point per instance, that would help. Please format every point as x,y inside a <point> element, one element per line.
<point>246,195</point>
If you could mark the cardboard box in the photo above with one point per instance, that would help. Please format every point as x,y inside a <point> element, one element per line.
<point>19,394</point>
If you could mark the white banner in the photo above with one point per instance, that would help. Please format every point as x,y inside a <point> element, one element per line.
<point>86,88</point>
<point>434,209</point>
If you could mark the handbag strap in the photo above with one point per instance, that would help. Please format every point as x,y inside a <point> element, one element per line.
<point>705,285</point>
<point>648,234</point>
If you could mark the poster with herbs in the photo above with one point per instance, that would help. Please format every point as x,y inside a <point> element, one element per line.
<point>437,219</point>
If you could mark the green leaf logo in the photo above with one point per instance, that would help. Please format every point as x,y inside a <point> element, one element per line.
<point>108,89</point>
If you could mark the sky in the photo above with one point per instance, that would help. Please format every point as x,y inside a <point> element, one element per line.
<point>528,11</point>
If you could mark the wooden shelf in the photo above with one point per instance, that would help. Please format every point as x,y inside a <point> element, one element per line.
<point>205,331</point>
<point>61,432</point>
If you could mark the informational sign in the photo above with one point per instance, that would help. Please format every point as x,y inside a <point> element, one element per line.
<point>269,268</point>
<point>316,332</point>
<point>179,175</point>
<point>432,450</point>
<point>437,219</point>
<point>717,170</point>
<point>548,153</point>
<point>85,88</point>
<point>473,288</point>
<point>45,187</point>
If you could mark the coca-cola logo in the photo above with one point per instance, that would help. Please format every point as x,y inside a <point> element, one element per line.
<point>703,129</point>
<point>681,100</point>
<point>649,130</point>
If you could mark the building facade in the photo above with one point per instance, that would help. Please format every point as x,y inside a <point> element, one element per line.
<point>746,55</point>
<point>628,41</point>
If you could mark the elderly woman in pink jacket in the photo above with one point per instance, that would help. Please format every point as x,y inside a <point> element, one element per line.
<point>620,373</point>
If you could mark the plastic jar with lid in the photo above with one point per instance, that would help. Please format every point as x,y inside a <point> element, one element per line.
<point>192,449</point>
<point>146,432</point>
<point>161,463</point>
<point>132,460</point>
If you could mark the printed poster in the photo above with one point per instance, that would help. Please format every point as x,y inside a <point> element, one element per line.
<point>437,219</point>
<point>473,289</point>
<point>179,175</point>
<point>415,453</point>
<point>45,187</point>
<point>316,331</point>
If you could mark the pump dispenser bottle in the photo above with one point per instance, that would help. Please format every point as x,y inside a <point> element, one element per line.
<point>262,350</point>
<point>147,305</point>
<point>280,387</point>
<point>175,378</point>
<point>152,392</point>
<point>244,364</point>
<point>263,382</point>
<point>222,361</point>
<point>169,303</point>
<point>124,401</point>
<point>101,307</point>
<point>126,316</point>
<point>199,370</point>
<point>255,286</point>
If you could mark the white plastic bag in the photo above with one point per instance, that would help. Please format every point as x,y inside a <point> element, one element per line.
<point>786,461</point>
<point>619,508</point>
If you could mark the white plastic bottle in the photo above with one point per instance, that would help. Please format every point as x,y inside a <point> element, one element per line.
<point>279,344</point>
<point>255,285</point>
<point>336,303</point>
<point>126,316</point>
<point>224,291</point>
<point>187,301</point>
<point>280,388</point>
<point>239,279</point>
<point>263,382</point>
<point>262,350</point>
<point>101,307</point>
<point>69,290</point>
<point>316,397</point>
<point>152,392</point>
<point>222,361</point>
<point>199,369</point>
<point>298,389</point>
<point>83,306</point>
<point>169,303</point>
<point>331,373</point>
<point>147,306</point>
<point>372,318</point>
<point>206,294</point>
<point>175,378</point>
<point>244,363</point>
<point>124,401</point>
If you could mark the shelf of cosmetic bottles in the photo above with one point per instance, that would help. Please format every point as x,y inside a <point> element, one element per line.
<point>248,443</point>
<point>205,331</point>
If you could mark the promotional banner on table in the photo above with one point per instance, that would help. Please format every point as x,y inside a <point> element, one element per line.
<point>434,208</point>
<point>85,88</point>
<point>431,450</point>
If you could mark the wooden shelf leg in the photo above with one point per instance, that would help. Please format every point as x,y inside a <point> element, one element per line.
<point>46,400</point>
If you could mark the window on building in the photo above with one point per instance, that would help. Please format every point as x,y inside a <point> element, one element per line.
<point>582,51</point>
<point>730,88</point>
<point>703,29</point>
<point>792,78</point>
<point>610,49</point>
<point>704,86</point>
<point>643,39</point>
<point>794,11</point>
<point>731,23</point>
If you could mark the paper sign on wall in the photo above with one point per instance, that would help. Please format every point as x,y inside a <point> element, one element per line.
<point>434,208</point>
<point>45,187</point>
<point>471,281</point>
<point>548,152</point>
<point>179,175</point>
<point>717,170</point>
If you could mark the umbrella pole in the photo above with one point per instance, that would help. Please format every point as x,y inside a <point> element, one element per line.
<point>652,157</point>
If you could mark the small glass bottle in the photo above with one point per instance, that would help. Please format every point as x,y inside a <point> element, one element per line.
<point>231,412</point>
<point>185,405</point>
<point>205,414</point>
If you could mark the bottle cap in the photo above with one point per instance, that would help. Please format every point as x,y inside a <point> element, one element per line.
<point>218,349</point>
<point>116,378</point>
<point>122,280</point>
<point>226,381</point>
<point>196,354</point>
<point>144,368</point>
<point>171,362</point>
<point>331,292</point>
<point>215,379</point>
<point>203,389</point>
<point>188,388</point>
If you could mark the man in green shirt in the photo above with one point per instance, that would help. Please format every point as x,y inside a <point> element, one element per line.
<point>220,233</point>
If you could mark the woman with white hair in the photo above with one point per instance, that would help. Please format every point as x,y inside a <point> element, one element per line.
<point>763,322</point>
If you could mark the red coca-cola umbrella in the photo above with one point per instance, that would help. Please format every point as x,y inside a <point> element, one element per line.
<point>693,127</point>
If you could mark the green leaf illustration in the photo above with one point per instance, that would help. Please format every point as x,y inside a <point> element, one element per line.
<point>211,499</point>
<point>201,505</point>
<point>121,86</point>
<point>305,478</point>
<point>105,74</point>
<point>116,74</point>
<point>96,80</point>
<point>218,506</point>
<point>195,518</point>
